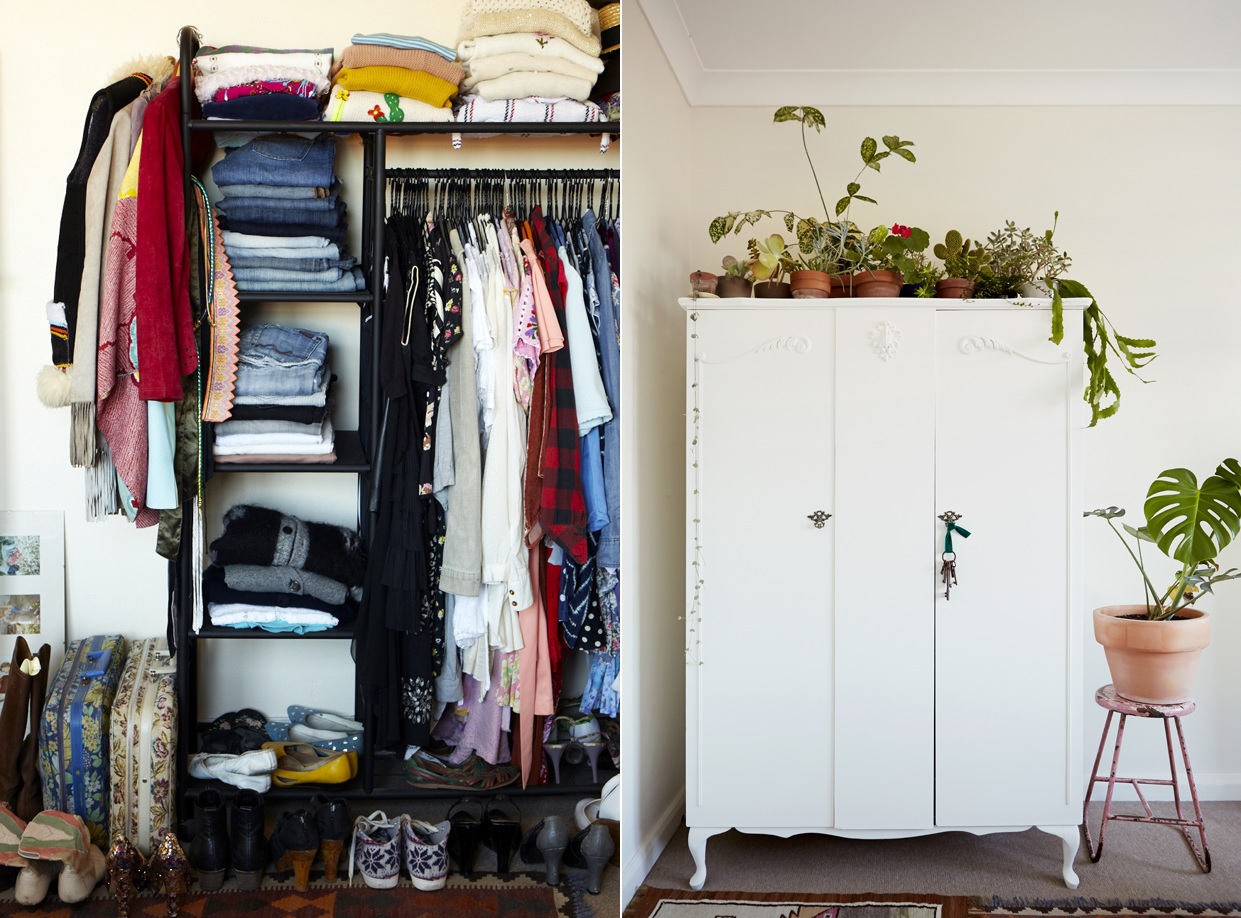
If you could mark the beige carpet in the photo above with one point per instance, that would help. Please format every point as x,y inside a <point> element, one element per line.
<point>1140,863</point>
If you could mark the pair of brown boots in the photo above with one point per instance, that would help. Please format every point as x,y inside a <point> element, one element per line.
<point>20,788</point>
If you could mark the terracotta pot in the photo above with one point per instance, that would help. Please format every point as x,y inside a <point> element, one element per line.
<point>810,284</point>
<point>954,288</point>
<point>732,286</point>
<point>768,290</point>
<point>842,286</point>
<point>703,282</point>
<point>1154,662</point>
<point>877,283</point>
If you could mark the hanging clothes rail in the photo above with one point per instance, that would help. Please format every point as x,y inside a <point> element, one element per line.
<point>557,191</point>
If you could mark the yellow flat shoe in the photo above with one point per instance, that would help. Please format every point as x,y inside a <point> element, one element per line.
<point>295,766</point>
<point>308,754</point>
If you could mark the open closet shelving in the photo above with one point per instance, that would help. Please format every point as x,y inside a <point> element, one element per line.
<point>380,776</point>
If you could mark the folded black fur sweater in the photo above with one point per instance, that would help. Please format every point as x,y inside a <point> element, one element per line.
<point>259,535</point>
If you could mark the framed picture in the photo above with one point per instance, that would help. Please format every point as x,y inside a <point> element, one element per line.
<point>32,584</point>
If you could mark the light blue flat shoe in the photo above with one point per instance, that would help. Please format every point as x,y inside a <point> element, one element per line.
<point>332,740</point>
<point>322,720</point>
<point>278,730</point>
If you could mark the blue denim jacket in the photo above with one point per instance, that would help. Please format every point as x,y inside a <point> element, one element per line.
<point>279,159</point>
<point>609,365</point>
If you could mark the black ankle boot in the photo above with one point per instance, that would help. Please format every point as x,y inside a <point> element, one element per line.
<point>249,847</point>
<point>333,824</point>
<point>209,850</point>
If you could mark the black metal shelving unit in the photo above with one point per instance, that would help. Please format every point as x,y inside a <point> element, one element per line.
<point>381,775</point>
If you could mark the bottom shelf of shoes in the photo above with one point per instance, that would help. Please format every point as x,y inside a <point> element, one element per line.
<point>391,784</point>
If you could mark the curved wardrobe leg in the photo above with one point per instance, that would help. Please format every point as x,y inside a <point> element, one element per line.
<point>698,849</point>
<point>1071,837</point>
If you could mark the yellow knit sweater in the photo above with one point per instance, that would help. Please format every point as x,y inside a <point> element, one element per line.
<point>412,84</point>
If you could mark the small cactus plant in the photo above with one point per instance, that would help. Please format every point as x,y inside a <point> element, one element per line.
<point>959,256</point>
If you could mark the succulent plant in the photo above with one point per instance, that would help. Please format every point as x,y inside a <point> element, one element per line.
<point>959,256</point>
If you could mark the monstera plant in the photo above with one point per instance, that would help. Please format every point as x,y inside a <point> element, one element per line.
<point>1152,649</point>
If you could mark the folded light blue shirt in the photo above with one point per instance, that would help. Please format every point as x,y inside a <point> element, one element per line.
<point>404,41</point>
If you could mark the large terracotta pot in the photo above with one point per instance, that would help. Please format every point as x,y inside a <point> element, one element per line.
<point>810,284</point>
<point>877,283</point>
<point>732,286</point>
<point>1154,662</point>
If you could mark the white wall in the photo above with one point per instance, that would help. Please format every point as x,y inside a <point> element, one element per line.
<point>659,149</point>
<point>114,580</point>
<point>1148,199</point>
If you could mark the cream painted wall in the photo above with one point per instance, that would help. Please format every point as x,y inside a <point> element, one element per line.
<point>1148,199</point>
<point>114,579</point>
<point>659,148</point>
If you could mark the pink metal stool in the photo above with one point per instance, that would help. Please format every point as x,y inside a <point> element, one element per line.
<point>1106,697</point>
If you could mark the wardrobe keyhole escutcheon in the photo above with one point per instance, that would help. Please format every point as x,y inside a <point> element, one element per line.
<point>819,518</point>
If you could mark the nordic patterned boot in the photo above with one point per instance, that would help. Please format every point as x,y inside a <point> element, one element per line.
<point>426,852</point>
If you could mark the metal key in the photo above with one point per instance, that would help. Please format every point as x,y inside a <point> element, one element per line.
<point>948,573</point>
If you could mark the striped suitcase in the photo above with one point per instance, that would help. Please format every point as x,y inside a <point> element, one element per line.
<point>144,746</point>
<point>74,735</point>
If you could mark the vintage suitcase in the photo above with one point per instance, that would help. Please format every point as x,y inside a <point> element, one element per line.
<point>144,746</point>
<point>74,734</point>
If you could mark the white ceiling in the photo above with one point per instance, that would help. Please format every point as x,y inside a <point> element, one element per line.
<point>963,52</point>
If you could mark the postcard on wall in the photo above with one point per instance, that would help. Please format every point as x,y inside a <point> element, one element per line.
<point>32,584</point>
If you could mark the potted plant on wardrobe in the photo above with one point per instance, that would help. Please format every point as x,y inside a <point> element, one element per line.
<point>736,279</point>
<point>963,263</point>
<point>1023,263</point>
<point>885,257</point>
<point>770,263</point>
<point>822,243</point>
<point>1153,648</point>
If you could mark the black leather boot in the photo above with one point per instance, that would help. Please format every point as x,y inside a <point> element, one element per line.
<point>249,847</point>
<point>208,852</point>
<point>333,824</point>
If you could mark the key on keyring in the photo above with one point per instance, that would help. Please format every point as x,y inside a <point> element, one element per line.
<point>948,571</point>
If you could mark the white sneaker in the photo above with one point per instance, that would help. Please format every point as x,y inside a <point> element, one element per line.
<point>376,850</point>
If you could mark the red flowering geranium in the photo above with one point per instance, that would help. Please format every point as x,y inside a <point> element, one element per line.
<point>899,229</point>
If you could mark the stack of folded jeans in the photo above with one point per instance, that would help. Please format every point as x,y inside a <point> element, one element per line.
<point>280,573</point>
<point>392,78</point>
<point>536,63</point>
<point>238,82</point>
<point>283,216</point>
<point>283,370</point>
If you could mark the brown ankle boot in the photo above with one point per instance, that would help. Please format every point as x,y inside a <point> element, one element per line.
<point>30,797</point>
<point>13,724</point>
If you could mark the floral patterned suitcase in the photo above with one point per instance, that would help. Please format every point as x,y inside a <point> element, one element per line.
<point>74,735</point>
<point>144,747</point>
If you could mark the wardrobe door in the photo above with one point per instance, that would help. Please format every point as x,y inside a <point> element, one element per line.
<point>885,513</point>
<point>759,572</point>
<point>1007,638</point>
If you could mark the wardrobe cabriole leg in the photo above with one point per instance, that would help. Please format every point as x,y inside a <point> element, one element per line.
<point>1071,838</point>
<point>698,849</point>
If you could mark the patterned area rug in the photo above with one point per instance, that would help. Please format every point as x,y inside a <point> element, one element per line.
<point>517,895</point>
<point>649,902</point>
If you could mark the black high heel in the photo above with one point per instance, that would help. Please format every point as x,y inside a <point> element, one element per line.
<point>501,829</point>
<point>464,832</point>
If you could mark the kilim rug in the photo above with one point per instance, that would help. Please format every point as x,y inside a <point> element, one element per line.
<point>650,902</point>
<point>516,895</point>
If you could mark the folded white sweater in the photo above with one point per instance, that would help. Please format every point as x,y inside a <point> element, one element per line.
<point>498,65</point>
<point>530,83</point>
<point>537,45</point>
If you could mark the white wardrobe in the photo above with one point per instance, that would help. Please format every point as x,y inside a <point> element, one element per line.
<point>832,687</point>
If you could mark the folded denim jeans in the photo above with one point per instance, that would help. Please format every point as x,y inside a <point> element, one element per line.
<point>317,399</point>
<point>275,360</point>
<point>325,275</point>
<point>329,252</point>
<point>296,192</point>
<point>233,241</point>
<point>281,212</point>
<point>292,264</point>
<point>278,205</point>
<point>293,230</point>
<point>279,159</point>
<point>351,282</point>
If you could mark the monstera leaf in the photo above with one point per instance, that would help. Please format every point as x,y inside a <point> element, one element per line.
<point>1193,523</point>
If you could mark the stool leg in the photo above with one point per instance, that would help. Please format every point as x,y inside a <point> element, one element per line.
<point>1097,852</point>
<point>1176,784</point>
<point>1203,858</point>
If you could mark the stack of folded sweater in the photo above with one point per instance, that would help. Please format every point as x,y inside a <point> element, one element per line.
<point>238,82</point>
<point>284,216</point>
<point>529,60</point>
<point>385,77</point>
<point>280,573</point>
<point>280,399</point>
